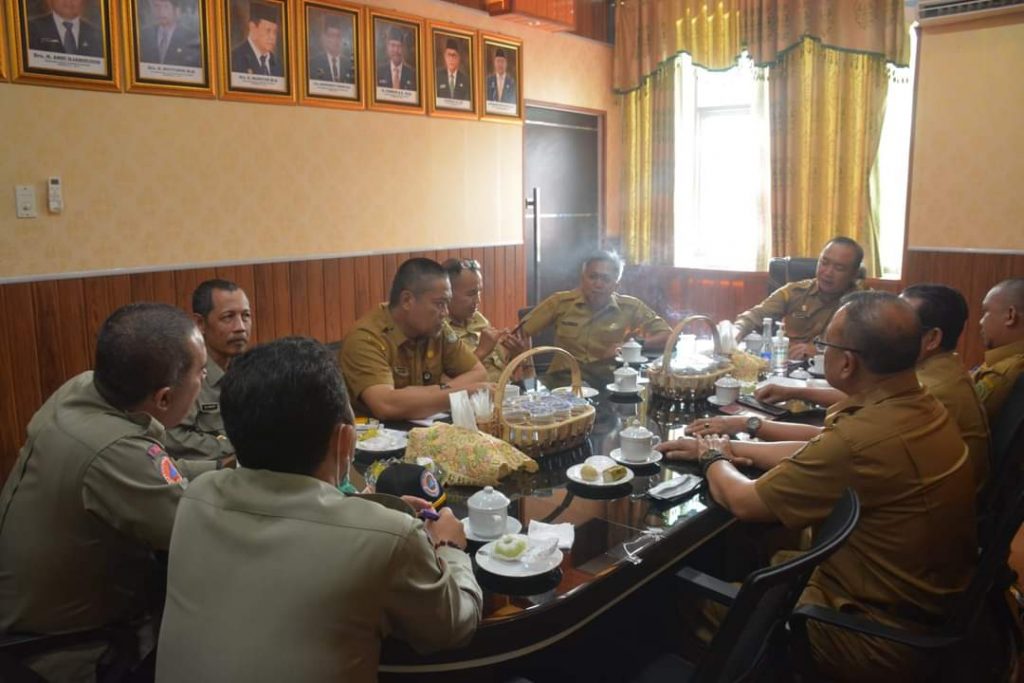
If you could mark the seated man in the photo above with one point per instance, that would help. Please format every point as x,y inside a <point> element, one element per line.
<point>1002,330</point>
<point>593,320</point>
<point>221,311</point>
<point>896,446</point>
<point>807,306</point>
<point>93,493</point>
<point>492,347</point>
<point>943,312</point>
<point>396,359</point>
<point>274,575</point>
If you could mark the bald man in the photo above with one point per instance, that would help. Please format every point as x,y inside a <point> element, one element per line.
<point>896,446</point>
<point>1002,331</point>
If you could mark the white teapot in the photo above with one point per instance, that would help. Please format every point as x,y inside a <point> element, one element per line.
<point>488,512</point>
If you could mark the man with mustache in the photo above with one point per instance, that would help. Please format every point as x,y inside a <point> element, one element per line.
<point>221,311</point>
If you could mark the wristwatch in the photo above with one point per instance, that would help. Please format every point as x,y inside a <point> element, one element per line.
<point>708,458</point>
<point>753,424</point>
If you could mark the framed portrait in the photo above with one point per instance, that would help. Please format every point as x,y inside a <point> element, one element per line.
<point>255,51</point>
<point>501,86</point>
<point>452,83</point>
<point>167,45</point>
<point>395,58</point>
<point>330,48</point>
<point>71,43</point>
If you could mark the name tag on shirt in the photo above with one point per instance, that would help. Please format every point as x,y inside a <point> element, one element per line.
<point>209,407</point>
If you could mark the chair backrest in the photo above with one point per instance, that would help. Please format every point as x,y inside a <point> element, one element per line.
<point>785,269</point>
<point>758,614</point>
<point>1007,449</point>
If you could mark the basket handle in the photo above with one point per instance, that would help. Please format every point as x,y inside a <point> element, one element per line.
<point>670,345</point>
<point>506,374</point>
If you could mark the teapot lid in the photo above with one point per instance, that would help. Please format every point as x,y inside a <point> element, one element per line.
<point>727,381</point>
<point>488,499</point>
<point>635,430</point>
<point>631,344</point>
<point>625,371</point>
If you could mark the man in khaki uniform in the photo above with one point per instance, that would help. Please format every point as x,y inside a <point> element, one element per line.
<point>896,446</point>
<point>274,575</point>
<point>807,306</point>
<point>1002,330</point>
<point>491,346</point>
<point>593,320</point>
<point>221,311</point>
<point>399,355</point>
<point>93,493</point>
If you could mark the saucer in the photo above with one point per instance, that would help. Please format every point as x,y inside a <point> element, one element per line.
<point>588,392</point>
<point>516,569</point>
<point>642,361</point>
<point>652,457</point>
<point>512,526</point>
<point>615,389</point>
<point>816,372</point>
<point>713,400</point>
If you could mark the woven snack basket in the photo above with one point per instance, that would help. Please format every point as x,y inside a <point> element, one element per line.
<point>679,382</point>
<point>535,439</point>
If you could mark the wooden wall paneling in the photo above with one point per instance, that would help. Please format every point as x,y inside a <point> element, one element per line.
<point>186,281</point>
<point>24,362</point>
<point>265,328</point>
<point>75,330</point>
<point>333,313</point>
<point>365,297</point>
<point>388,270</point>
<point>48,334</point>
<point>317,300</point>
<point>103,295</point>
<point>298,298</point>
<point>377,286</point>
<point>346,271</point>
<point>510,290</point>
<point>11,427</point>
<point>283,322</point>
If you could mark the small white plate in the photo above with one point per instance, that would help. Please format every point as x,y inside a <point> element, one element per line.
<point>588,392</point>
<point>516,569</point>
<point>512,526</point>
<point>783,382</point>
<point>816,371</point>
<point>600,463</point>
<point>713,400</point>
<point>652,457</point>
<point>614,388</point>
<point>386,440</point>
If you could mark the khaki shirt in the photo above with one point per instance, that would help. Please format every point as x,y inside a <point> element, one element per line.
<point>945,378</point>
<point>801,305</point>
<point>469,333</point>
<point>592,335</point>
<point>376,352</point>
<point>92,494</point>
<point>914,548</point>
<point>201,434</point>
<point>994,379</point>
<point>279,577</point>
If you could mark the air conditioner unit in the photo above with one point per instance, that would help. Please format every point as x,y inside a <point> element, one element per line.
<point>947,11</point>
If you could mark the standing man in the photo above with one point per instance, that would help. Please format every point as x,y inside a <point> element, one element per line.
<point>330,64</point>
<point>169,40</point>
<point>592,320</point>
<point>396,359</point>
<point>93,493</point>
<point>64,29</point>
<point>807,306</point>
<point>395,73</point>
<point>222,314</point>
<point>451,82</point>
<point>347,571</point>
<point>501,85</point>
<point>256,54</point>
<point>1002,331</point>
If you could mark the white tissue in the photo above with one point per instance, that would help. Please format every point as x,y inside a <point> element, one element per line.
<point>564,533</point>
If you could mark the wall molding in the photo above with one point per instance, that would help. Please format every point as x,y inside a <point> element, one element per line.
<point>969,250</point>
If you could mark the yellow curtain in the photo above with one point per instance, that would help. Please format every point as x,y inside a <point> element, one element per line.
<point>649,32</point>
<point>827,108</point>
<point>649,171</point>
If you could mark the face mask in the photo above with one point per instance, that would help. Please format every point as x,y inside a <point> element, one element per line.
<point>345,486</point>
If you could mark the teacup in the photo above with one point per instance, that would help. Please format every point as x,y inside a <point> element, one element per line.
<point>817,364</point>
<point>637,442</point>
<point>625,378</point>
<point>488,512</point>
<point>754,343</point>
<point>727,390</point>
<point>631,352</point>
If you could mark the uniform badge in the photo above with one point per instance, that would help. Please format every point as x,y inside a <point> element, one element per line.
<point>155,451</point>
<point>429,484</point>
<point>209,407</point>
<point>169,472</point>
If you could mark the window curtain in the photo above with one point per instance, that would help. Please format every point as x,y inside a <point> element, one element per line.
<point>827,108</point>
<point>649,169</point>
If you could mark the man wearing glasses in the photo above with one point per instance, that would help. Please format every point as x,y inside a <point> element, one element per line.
<point>807,306</point>
<point>896,446</point>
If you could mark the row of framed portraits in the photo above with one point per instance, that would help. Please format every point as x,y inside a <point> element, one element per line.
<point>319,52</point>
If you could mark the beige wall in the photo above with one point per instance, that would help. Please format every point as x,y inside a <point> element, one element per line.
<point>153,181</point>
<point>967,188</point>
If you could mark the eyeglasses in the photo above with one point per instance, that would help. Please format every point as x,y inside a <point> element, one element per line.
<point>820,345</point>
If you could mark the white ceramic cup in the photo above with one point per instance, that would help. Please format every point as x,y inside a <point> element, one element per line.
<point>817,364</point>
<point>488,523</point>
<point>727,390</point>
<point>638,447</point>
<point>625,379</point>
<point>631,353</point>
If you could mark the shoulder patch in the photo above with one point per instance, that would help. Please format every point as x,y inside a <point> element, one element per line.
<point>169,472</point>
<point>155,451</point>
<point>429,484</point>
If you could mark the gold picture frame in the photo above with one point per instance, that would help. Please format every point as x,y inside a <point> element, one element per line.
<point>329,44</point>
<point>451,71</point>
<point>256,57</point>
<point>3,43</point>
<point>506,106</point>
<point>390,35</point>
<point>86,55</point>
<point>168,47</point>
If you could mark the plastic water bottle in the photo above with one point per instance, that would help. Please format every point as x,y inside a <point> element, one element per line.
<point>766,339</point>
<point>780,351</point>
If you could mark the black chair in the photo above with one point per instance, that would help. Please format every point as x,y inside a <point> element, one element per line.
<point>785,269</point>
<point>754,626</point>
<point>545,337</point>
<point>1007,449</point>
<point>951,646</point>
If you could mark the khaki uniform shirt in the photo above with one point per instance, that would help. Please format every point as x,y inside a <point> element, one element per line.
<point>91,495</point>
<point>914,548</point>
<point>201,434</point>
<point>994,379</point>
<point>945,378</point>
<point>801,305</point>
<point>279,577</point>
<point>592,335</point>
<point>376,352</point>
<point>469,333</point>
